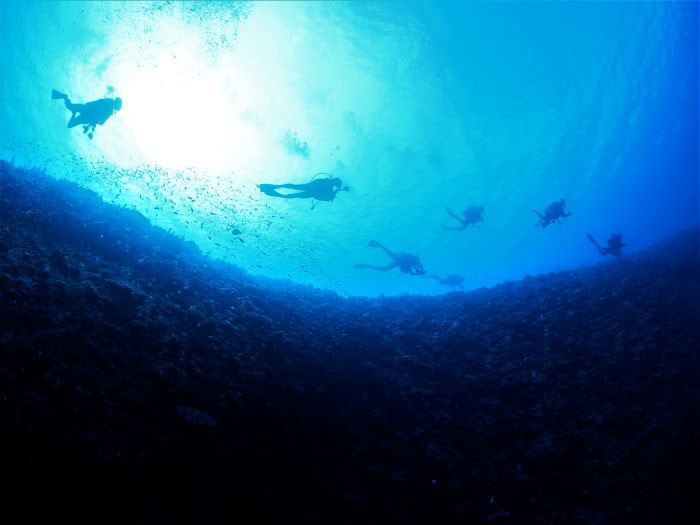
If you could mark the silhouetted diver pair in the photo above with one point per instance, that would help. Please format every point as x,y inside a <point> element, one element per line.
<point>474,214</point>
<point>411,264</point>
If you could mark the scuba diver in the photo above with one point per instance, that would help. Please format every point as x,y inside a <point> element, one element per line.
<point>614,246</point>
<point>451,280</point>
<point>406,262</point>
<point>91,114</point>
<point>324,189</point>
<point>472,215</point>
<point>554,212</point>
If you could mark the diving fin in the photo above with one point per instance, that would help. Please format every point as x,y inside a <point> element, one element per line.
<point>57,94</point>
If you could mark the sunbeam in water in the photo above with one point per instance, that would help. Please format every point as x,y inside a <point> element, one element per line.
<point>416,108</point>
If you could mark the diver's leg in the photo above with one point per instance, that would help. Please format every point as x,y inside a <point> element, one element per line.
<point>377,244</point>
<point>76,120</point>
<point>541,221</point>
<point>452,214</point>
<point>75,108</point>
<point>463,223</point>
<point>299,195</point>
<point>378,268</point>
<point>270,189</point>
<point>266,188</point>
<point>300,187</point>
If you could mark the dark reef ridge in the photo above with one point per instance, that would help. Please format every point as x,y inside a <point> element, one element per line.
<point>141,382</point>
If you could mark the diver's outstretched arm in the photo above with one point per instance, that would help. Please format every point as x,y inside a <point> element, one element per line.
<point>378,268</point>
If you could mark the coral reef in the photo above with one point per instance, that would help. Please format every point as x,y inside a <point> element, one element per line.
<point>143,382</point>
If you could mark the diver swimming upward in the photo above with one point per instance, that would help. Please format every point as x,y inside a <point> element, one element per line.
<point>323,189</point>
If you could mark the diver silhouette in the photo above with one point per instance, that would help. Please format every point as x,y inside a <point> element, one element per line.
<point>472,215</point>
<point>91,114</point>
<point>554,212</point>
<point>451,280</point>
<point>406,262</point>
<point>323,189</point>
<point>614,246</point>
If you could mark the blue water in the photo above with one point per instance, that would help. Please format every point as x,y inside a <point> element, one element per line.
<point>415,106</point>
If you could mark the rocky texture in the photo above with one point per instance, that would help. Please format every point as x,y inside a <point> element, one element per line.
<point>142,382</point>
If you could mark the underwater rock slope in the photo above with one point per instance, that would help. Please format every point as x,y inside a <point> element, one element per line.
<point>141,381</point>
